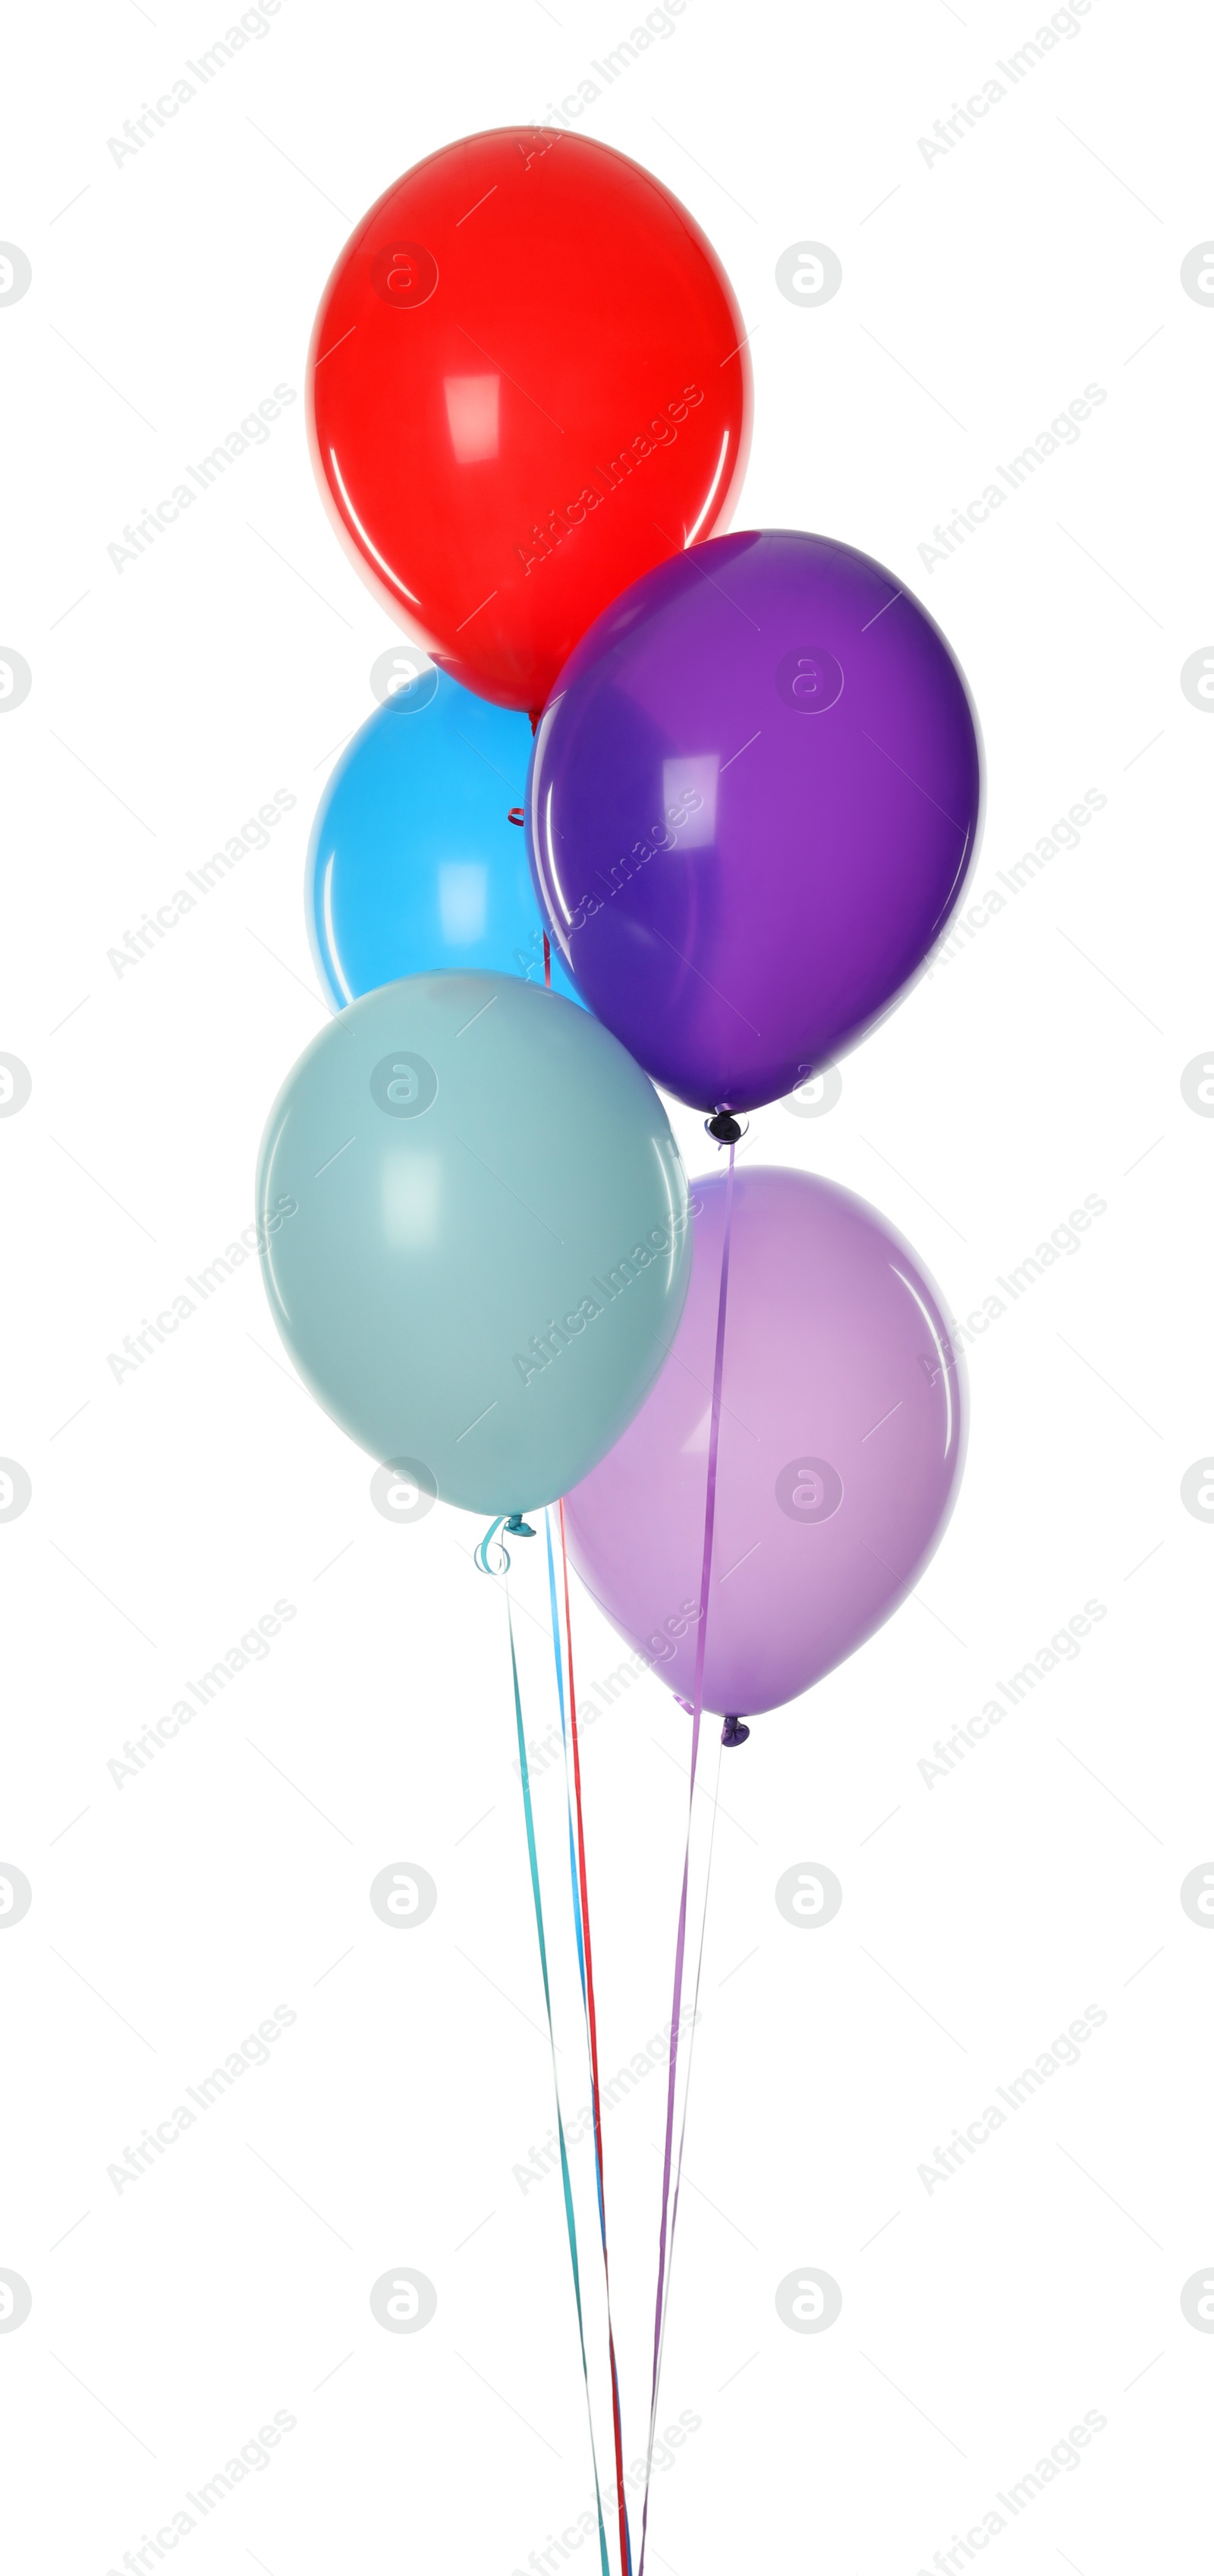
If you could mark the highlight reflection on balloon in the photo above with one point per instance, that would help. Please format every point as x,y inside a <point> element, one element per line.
<point>753,804</point>
<point>841,1445</point>
<point>414,861</point>
<point>528,382</point>
<point>475,1230</point>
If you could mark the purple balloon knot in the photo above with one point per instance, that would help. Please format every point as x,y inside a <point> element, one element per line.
<point>733,1731</point>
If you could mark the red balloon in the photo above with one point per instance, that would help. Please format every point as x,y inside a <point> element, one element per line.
<point>527,385</point>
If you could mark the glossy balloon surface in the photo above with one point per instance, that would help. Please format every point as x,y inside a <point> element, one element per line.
<point>754,800</point>
<point>414,862</point>
<point>475,1225</point>
<point>841,1445</point>
<point>527,384</point>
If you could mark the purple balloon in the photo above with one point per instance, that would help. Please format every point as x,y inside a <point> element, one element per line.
<point>843,1426</point>
<point>753,802</point>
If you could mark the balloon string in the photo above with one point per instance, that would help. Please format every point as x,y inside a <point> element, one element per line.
<point>537,1901</point>
<point>665,2244</point>
<point>695,2007</point>
<point>560,1693</point>
<point>547,962</point>
<point>587,1957</point>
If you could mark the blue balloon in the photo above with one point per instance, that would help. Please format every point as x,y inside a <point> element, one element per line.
<point>475,1236</point>
<point>413,861</point>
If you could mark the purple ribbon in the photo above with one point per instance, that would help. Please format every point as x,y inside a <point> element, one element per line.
<point>669,2214</point>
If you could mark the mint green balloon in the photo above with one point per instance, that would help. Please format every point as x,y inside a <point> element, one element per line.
<point>475,1234</point>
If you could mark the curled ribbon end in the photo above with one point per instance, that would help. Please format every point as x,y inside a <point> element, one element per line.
<point>514,1526</point>
<point>481,1553</point>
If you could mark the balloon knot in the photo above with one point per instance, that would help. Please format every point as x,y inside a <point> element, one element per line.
<point>725,1128</point>
<point>514,1527</point>
<point>733,1731</point>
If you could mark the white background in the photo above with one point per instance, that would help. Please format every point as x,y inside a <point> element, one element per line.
<point>982,1913</point>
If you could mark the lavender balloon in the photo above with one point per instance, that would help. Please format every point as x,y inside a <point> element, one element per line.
<point>842,1435</point>
<point>753,802</point>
